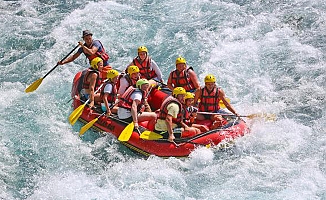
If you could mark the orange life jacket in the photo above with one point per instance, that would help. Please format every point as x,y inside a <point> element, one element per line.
<point>164,111</point>
<point>100,53</point>
<point>113,95</point>
<point>209,100</point>
<point>182,79</point>
<point>86,74</point>
<point>145,68</point>
<point>126,102</point>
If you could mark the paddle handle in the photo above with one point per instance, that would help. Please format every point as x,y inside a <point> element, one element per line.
<point>61,61</point>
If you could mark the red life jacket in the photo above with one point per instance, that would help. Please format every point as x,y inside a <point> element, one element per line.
<point>131,82</point>
<point>145,68</point>
<point>86,83</point>
<point>186,116</point>
<point>102,54</point>
<point>209,101</point>
<point>126,102</point>
<point>113,95</point>
<point>182,79</point>
<point>164,111</point>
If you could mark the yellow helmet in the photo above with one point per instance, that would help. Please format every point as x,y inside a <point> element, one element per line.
<point>210,79</point>
<point>180,60</point>
<point>142,49</point>
<point>141,82</point>
<point>178,90</point>
<point>133,69</point>
<point>189,95</point>
<point>95,61</point>
<point>111,74</point>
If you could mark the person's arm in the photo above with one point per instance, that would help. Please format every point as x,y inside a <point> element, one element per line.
<point>168,121</point>
<point>169,83</point>
<point>69,59</point>
<point>123,86</point>
<point>134,113</point>
<point>194,79</point>
<point>157,70</point>
<point>92,83</point>
<point>92,50</point>
<point>197,97</point>
<point>226,103</point>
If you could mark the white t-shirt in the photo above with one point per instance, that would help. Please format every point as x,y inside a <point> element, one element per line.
<point>107,89</point>
<point>123,85</point>
<point>124,113</point>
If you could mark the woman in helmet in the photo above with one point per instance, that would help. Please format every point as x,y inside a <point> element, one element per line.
<point>129,79</point>
<point>109,93</point>
<point>91,81</point>
<point>170,116</point>
<point>147,66</point>
<point>210,96</point>
<point>131,105</point>
<point>183,77</point>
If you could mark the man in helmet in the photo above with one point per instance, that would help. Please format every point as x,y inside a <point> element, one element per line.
<point>210,96</point>
<point>129,79</point>
<point>147,66</point>
<point>170,116</point>
<point>91,48</point>
<point>91,81</point>
<point>109,93</point>
<point>183,77</point>
<point>131,104</point>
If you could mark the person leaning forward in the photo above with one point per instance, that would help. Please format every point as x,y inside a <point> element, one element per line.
<point>131,105</point>
<point>91,48</point>
<point>183,76</point>
<point>170,116</point>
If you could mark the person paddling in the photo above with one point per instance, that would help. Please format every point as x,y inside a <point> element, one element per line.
<point>147,66</point>
<point>91,48</point>
<point>91,81</point>
<point>131,105</point>
<point>183,76</point>
<point>210,96</point>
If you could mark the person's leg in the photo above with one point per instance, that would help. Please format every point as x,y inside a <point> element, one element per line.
<point>150,117</point>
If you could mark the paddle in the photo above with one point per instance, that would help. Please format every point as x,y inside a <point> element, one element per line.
<point>73,117</point>
<point>150,135</point>
<point>89,125</point>
<point>38,82</point>
<point>127,132</point>
<point>266,116</point>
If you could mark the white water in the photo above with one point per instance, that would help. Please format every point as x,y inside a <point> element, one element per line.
<point>268,57</point>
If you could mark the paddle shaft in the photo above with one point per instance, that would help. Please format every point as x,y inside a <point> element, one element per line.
<point>61,61</point>
<point>223,114</point>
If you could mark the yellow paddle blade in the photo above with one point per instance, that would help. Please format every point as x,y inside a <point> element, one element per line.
<point>87,126</point>
<point>221,104</point>
<point>126,133</point>
<point>73,117</point>
<point>266,116</point>
<point>34,85</point>
<point>149,135</point>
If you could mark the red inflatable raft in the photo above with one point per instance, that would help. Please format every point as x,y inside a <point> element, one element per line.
<point>182,147</point>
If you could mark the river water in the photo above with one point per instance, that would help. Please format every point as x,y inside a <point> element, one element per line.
<point>268,56</point>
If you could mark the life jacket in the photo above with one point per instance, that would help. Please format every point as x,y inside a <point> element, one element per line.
<point>100,53</point>
<point>182,79</point>
<point>186,116</point>
<point>85,74</point>
<point>130,81</point>
<point>113,95</point>
<point>164,112</point>
<point>145,68</point>
<point>126,102</point>
<point>209,101</point>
